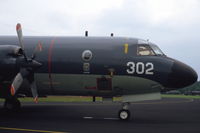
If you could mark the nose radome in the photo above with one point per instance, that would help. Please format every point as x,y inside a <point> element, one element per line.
<point>181,75</point>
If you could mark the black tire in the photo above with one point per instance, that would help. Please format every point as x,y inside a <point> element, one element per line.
<point>124,114</point>
<point>12,105</point>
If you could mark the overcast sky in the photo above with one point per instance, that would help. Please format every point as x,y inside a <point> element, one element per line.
<point>174,25</point>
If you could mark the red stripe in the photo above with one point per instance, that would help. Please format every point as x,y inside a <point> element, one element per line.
<point>49,60</point>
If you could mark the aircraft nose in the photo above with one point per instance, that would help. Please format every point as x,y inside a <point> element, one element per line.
<point>181,75</point>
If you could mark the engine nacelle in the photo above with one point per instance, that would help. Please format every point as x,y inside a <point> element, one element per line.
<point>10,50</point>
<point>8,61</point>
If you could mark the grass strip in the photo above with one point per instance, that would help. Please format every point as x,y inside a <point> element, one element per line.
<point>181,96</point>
<point>89,99</point>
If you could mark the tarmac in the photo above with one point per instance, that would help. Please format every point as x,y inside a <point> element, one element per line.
<point>168,115</point>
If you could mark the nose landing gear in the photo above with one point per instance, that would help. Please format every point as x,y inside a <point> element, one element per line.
<point>124,113</point>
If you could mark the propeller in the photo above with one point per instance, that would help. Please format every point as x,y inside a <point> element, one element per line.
<point>27,69</point>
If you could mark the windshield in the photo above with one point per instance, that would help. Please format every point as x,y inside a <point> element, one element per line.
<point>156,50</point>
<point>145,50</point>
<point>149,50</point>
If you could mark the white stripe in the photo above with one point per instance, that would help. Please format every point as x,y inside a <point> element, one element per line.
<point>87,117</point>
<point>110,118</point>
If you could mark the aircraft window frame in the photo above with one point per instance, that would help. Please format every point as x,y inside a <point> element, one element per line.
<point>146,48</point>
<point>157,50</point>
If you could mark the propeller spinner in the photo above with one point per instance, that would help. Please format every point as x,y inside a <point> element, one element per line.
<point>27,69</point>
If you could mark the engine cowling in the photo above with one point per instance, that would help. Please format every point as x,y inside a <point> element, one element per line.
<point>10,50</point>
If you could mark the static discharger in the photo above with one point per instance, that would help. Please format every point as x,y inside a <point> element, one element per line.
<point>126,48</point>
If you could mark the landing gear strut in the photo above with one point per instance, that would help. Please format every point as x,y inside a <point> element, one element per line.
<point>12,104</point>
<point>124,113</point>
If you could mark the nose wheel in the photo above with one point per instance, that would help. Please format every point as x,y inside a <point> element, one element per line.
<point>124,113</point>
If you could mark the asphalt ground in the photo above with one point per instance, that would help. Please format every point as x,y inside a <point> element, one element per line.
<point>168,115</point>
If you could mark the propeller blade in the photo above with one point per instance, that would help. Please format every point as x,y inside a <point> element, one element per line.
<point>20,36</point>
<point>34,91</point>
<point>33,86</point>
<point>18,80</point>
<point>37,49</point>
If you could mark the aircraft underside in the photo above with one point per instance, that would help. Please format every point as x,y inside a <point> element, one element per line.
<point>130,88</point>
<point>94,85</point>
<point>90,85</point>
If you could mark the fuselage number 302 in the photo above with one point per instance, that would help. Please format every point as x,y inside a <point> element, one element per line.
<point>140,68</point>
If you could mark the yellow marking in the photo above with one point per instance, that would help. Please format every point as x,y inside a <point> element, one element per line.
<point>126,48</point>
<point>30,130</point>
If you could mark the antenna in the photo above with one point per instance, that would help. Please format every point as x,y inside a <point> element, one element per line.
<point>111,34</point>
<point>86,33</point>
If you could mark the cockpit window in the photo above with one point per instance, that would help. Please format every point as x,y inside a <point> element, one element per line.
<point>157,50</point>
<point>145,50</point>
<point>149,50</point>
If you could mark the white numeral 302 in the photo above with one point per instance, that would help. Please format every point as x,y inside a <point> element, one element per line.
<point>140,68</point>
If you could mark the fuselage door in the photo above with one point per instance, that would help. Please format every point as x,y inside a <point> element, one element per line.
<point>104,84</point>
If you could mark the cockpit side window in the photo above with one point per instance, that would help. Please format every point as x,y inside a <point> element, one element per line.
<point>145,50</point>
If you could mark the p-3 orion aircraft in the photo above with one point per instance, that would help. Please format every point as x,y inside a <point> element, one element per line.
<point>131,68</point>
